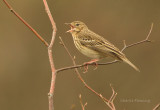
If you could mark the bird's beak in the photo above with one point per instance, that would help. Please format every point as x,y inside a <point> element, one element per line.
<point>72,27</point>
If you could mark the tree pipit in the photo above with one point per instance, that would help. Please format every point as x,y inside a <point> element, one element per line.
<point>93,45</point>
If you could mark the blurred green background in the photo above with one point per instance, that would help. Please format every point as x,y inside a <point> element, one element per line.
<point>24,67</point>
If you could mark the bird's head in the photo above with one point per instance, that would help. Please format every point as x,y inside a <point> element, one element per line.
<point>76,26</point>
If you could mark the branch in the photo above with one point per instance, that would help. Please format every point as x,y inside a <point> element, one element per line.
<point>156,107</point>
<point>52,87</point>
<point>140,42</point>
<point>108,102</point>
<point>108,63</point>
<point>52,23</point>
<point>82,65</point>
<point>24,22</point>
<point>82,105</point>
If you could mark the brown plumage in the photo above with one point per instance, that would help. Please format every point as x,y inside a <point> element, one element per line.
<point>93,45</point>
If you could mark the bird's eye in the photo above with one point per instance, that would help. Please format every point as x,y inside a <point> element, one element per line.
<point>77,24</point>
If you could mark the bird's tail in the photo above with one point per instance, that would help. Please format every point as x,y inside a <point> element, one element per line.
<point>131,64</point>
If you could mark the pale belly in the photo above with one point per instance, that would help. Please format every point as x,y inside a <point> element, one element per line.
<point>88,52</point>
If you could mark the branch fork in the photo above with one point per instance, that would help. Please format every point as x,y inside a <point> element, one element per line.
<point>110,102</point>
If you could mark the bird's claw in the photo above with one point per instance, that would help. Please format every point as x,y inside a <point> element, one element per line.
<point>94,61</point>
<point>85,68</point>
<point>96,66</point>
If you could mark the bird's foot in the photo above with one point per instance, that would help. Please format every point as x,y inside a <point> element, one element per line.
<point>94,62</point>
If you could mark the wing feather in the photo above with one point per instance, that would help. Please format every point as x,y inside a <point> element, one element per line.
<point>98,43</point>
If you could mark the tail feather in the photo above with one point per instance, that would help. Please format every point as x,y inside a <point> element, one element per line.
<point>131,64</point>
<point>121,56</point>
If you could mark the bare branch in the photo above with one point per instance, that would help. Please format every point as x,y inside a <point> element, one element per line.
<point>110,102</point>
<point>147,38</point>
<point>140,42</point>
<point>52,87</point>
<point>24,22</point>
<point>124,42</point>
<point>82,105</point>
<point>52,23</point>
<point>156,107</point>
<point>113,94</point>
<point>72,58</point>
<point>82,65</point>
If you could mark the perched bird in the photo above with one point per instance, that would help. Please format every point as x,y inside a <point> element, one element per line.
<point>93,45</point>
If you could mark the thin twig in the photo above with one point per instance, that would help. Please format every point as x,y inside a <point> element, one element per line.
<point>140,42</point>
<point>52,23</point>
<point>110,103</point>
<point>156,107</point>
<point>82,65</point>
<point>114,94</point>
<point>24,22</point>
<point>108,63</point>
<point>73,61</point>
<point>82,105</point>
<point>50,54</point>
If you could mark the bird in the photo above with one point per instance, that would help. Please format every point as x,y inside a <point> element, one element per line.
<point>95,46</point>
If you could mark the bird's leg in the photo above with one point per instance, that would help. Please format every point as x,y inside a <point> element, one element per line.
<point>93,61</point>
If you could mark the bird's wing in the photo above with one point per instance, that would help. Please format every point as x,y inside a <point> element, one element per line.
<point>98,43</point>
